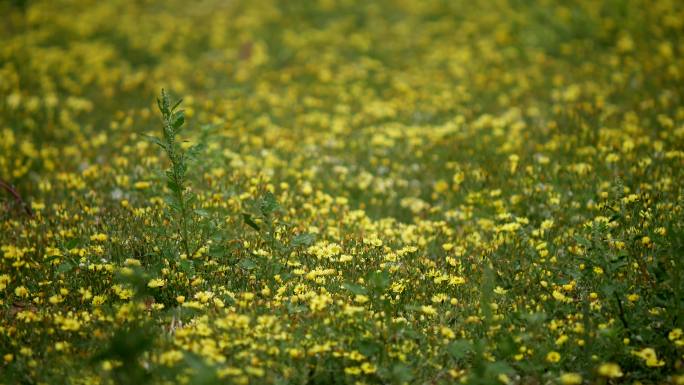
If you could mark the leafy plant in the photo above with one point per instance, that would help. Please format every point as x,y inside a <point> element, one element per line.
<point>180,199</point>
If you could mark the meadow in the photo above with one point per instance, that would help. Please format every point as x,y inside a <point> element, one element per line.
<point>349,192</point>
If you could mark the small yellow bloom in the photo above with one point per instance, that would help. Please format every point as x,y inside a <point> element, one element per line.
<point>360,298</point>
<point>100,237</point>
<point>429,310</point>
<point>447,332</point>
<point>368,368</point>
<point>553,357</point>
<point>441,186</point>
<point>142,185</point>
<point>156,282</point>
<point>99,300</point>
<point>570,379</point>
<point>353,370</point>
<point>610,370</point>
<point>21,291</point>
<point>649,355</point>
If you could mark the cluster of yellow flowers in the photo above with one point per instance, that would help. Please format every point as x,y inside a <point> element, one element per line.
<point>485,192</point>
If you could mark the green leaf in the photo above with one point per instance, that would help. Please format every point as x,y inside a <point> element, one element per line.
<point>459,349</point>
<point>65,267</point>
<point>380,280</point>
<point>306,239</point>
<point>582,241</point>
<point>401,374</point>
<point>354,288</point>
<point>172,185</point>
<point>177,104</point>
<point>187,266</point>
<point>178,120</point>
<point>194,151</point>
<point>268,204</point>
<point>247,264</point>
<point>154,140</point>
<point>499,367</point>
<point>164,103</point>
<point>248,220</point>
<point>202,213</point>
<point>72,243</point>
<point>608,289</point>
<point>369,348</point>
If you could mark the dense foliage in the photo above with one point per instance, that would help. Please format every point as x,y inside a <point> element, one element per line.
<point>421,192</point>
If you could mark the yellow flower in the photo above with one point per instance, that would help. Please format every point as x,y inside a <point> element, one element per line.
<point>142,185</point>
<point>21,291</point>
<point>447,332</point>
<point>171,357</point>
<point>558,296</point>
<point>649,355</point>
<point>504,378</point>
<point>368,368</point>
<point>99,300</point>
<point>100,237</point>
<point>570,379</point>
<point>55,299</point>
<point>441,186</point>
<point>360,298</point>
<point>610,370</point>
<point>674,334</point>
<point>353,370</point>
<point>156,282</point>
<point>553,357</point>
<point>429,310</point>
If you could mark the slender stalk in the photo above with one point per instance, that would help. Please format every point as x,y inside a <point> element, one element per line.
<point>17,198</point>
<point>172,121</point>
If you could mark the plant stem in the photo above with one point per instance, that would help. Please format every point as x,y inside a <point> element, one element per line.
<point>17,197</point>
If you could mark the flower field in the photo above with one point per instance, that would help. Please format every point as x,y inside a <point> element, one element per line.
<point>349,192</point>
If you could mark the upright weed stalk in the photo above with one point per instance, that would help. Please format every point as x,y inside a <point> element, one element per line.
<point>180,198</point>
